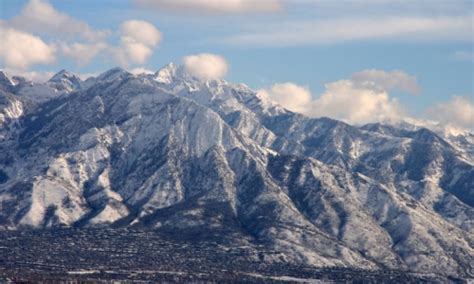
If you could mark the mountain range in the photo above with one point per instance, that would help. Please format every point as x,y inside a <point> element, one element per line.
<point>169,151</point>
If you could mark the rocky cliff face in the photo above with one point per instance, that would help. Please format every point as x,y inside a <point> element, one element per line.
<point>169,151</point>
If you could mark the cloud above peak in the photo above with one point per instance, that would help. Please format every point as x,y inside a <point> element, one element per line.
<point>344,100</point>
<point>353,103</point>
<point>20,50</point>
<point>459,112</point>
<point>387,80</point>
<point>138,40</point>
<point>290,95</point>
<point>213,6</point>
<point>82,53</point>
<point>206,66</point>
<point>363,98</point>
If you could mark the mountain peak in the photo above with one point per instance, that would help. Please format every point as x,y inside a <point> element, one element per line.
<point>168,73</point>
<point>5,79</point>
<point>65,81</point>
<point>174,72</point>
<point>64,75</point>
<point>11,83</point>
<point>113,74</point>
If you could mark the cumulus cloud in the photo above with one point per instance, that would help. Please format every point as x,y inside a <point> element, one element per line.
<point>291,96</point>
<point>39,16</point>
<point>213,6</point>
<point>21,50</point>
<point>350,102</point>
<point>138,39</point>
<point>387,80</point>
<point>206,66</point>
<point>349,28</point>
<point>38,19</point>
<point>82,53</point>
<point>458,112</point>
<point>362,99</point>
<point>24,44</point>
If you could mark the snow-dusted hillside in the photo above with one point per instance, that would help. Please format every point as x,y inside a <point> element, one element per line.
<point>170,151</point>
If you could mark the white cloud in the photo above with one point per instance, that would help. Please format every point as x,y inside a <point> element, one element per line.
<point>20,50</point>
<point>138,40</point>
<point>364,98</point>
<point>73,38</point>
<point>140,31</point>
<point>361,100</point>
<point>206,66</point>
<point>39,16</point>
<point>458,112</point>
<point>289,95</point>
<point>348,28</point>
<point>82,53</point>
<point>387,80</point>
<point>356,104</point>
<point>213,6</point>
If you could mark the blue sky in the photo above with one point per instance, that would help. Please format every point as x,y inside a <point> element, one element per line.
<point>308,43</point>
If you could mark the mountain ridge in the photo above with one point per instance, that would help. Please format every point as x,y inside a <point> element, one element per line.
<point>170,151</point>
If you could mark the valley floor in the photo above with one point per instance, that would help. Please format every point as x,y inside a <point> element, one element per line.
<point>79,255</point>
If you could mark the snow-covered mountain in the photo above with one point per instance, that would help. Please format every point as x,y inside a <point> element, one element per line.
<point>170,151</point>
<point>65,81</point>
